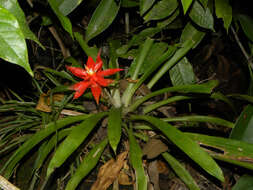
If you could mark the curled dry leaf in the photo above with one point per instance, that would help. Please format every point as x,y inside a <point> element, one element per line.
<point>124,174</point>
<point>109,172</point>
<point>154,148</point>
<point>44,102</point>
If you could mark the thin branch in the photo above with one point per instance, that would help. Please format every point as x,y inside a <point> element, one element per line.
<point>248,58</point>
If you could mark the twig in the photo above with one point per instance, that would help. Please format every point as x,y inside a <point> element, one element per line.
<point>242,48</point>
<point>6,185</point>
<point>64,50</point>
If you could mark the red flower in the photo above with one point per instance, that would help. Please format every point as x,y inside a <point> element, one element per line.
<point>93,77</point>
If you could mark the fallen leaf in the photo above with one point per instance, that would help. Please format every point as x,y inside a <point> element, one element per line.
<point>153,148</point>
<point>44,102</point>
<point>109,172</point>
<point>124,174</point>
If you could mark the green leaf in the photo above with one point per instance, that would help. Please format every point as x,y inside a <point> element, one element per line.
<point>72,142</point>
<point>202,17</point>
<point>182,73</point>
<point>129,3</point>
<point>114,127</point>
<point>187,145</point>
<point>243,129</point>
<point>247,25</point>
<point>101,19</point>
<point>205,88</point>
<point>90,51</point>
<point>223,10</point>
<point>138,39</point>
<point>13,46</point>
<point>145,5</point>
<point>161,10</point>
<point>88,163</point>
<point>204,3</point>
<point>47,147</point>
<point>14,8</point>
<point>191,42</point>
<point>186,4</point>
<point>158,104</point>
<point>67,6</point>
<point>228,150</point>
<point>35,139</point>
<point>222,97</point>
<point>201,118</point>
<point>145,48</point>
<point>156,51</point>
<point>245,182</point>
<point>136,161</point>
<point>65,22</point>
<point>190,33</point>
<point>180,170</point>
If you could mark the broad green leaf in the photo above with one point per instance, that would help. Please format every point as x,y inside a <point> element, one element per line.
<point>35,139</point>
<point>67,6</point>
<point>182,73</point>
<point>205,88</point>
<point>243,129</point>
<point>223,10</point>
<point>114,127</point>
<point>186,4</point>
<point>187,145</point>
<point>245,182</point>
<point>101,19</point>
<point>156,51</point>
<point>168,22</point>
<point>202,17</point>
<point>129,3</point>
<point>180,170</point>
<point>247,25</point>
<point>135,156</point>
<point>189,32</point>
<point>145,5</point>
<point>228,150</point>
<point>13,46</point>
<point>138,39</point>
<point>72,142</point>
<point>14,8</point>
<point>186,46</point>
<point>204,3</point>
<point>161,10</point>
<point>201,118</point>
<point>88,163</point>
<point>65,22</point>
<point>90,51</point>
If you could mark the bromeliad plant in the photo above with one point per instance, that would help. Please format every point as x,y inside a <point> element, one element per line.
<point>128,113</point>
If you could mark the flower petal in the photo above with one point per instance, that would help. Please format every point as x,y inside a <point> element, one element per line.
<point>90,63</point>
<point>96,91</point>
<point>101,81</point>
<point>99,62</point>
<point>79,72</point>
<point>108,72</point>
<point>80,88</point>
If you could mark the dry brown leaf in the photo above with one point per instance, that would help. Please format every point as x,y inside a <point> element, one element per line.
<point>154,174</point>
<point>44,102</point>
<point>109,172</point>
<point>162,167</point>
<point>154,148</point>
<point>124,174</point>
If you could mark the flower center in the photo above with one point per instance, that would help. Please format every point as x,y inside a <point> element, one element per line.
<point>89,71</point>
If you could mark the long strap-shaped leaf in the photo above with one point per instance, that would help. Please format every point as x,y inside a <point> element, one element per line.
<point>181,171</point>
<point>191,148</point>
<point>136,161</point>
<point>114,127</point>
<point>71,143</point>
<point>35,139</point>
<point>87,165</point>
